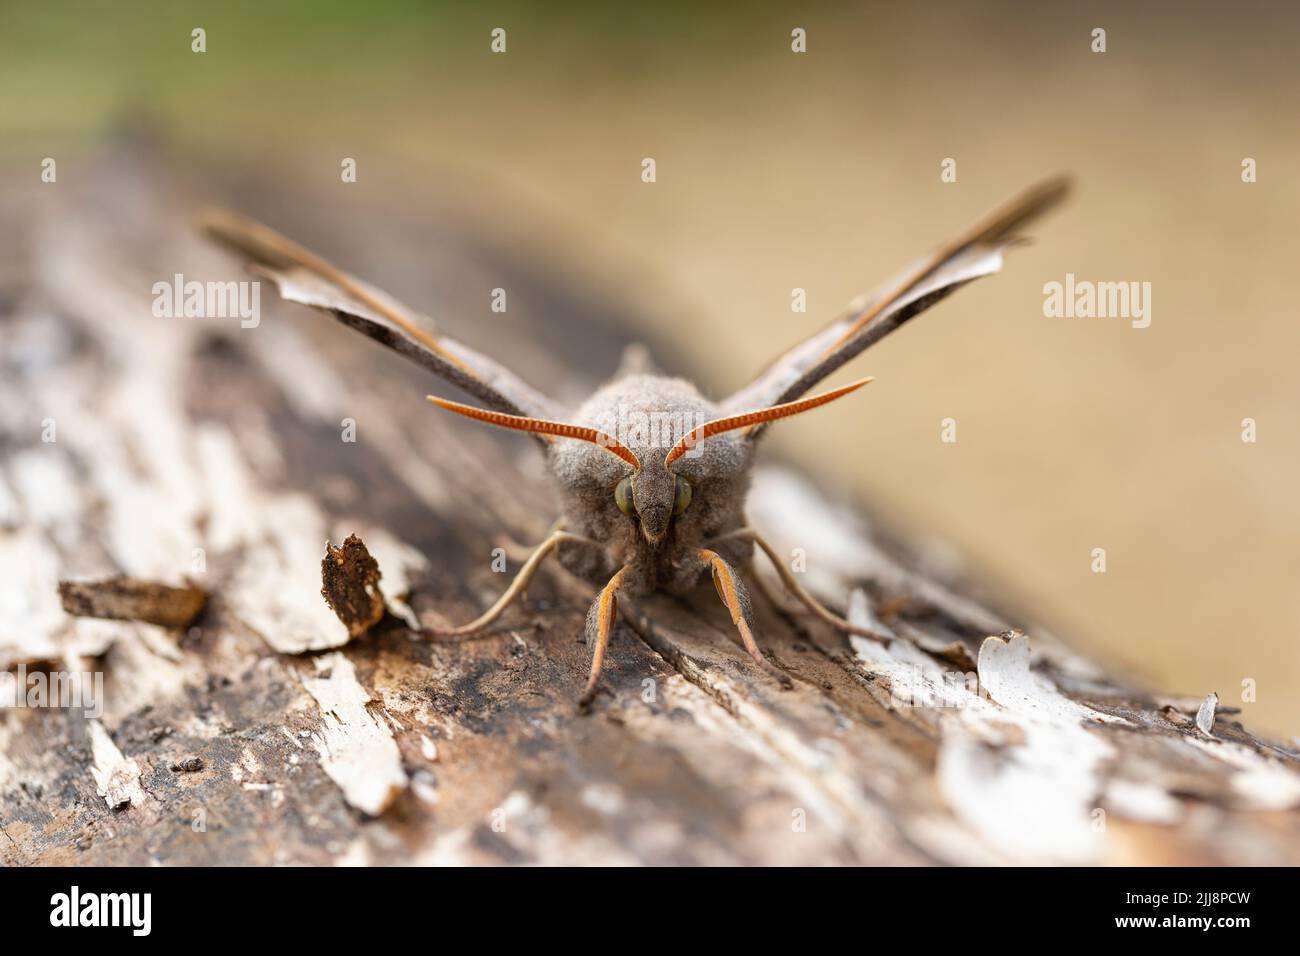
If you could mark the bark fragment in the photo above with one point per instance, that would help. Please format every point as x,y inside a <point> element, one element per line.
<point>350,585</point>
<point>1205,715</point>
<point>356,750</point>
<point>125,598</point>
<point>117,777</point>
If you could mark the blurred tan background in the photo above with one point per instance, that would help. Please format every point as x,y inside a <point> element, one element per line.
<point>821,171</point>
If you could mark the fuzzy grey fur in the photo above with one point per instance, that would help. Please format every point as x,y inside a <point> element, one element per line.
<point>586,475</point>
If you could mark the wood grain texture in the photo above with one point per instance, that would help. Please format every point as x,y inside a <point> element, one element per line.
<point>268,733</point>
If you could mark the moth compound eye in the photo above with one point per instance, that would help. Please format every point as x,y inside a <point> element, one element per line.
<point>623,496</point>
<point>682,498</point>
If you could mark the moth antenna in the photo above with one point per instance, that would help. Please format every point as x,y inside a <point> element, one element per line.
<point>540,426</point>
<point>748,419</point>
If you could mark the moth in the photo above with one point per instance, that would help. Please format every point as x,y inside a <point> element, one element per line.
<point>645,509</point>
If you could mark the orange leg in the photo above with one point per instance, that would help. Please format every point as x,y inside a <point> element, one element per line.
<point>732,592</point>
<point>797,589</point>
<point>600,623</point>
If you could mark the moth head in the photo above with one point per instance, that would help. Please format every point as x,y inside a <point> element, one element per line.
<point>641,489</point>
<point>654,497</point>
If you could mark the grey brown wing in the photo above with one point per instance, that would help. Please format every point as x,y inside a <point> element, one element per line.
<point>303,277</point>
<point>976,252</point>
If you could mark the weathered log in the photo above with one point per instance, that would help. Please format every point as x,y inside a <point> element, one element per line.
<point>276,733</point>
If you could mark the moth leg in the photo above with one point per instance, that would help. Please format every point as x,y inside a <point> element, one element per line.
<point>600,623</point>
<point>797,589</point>
<point>516,587</point>
<point>518,551</point>
<point>732,592</point>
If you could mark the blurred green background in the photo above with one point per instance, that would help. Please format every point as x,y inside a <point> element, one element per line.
<point>821,171</point>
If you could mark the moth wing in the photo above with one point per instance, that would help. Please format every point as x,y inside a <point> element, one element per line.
<point>303,277</point>
<point>976,252</point>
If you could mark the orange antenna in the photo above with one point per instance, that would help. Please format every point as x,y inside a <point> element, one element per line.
<point>745,420</point>
<point>540,426</point>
